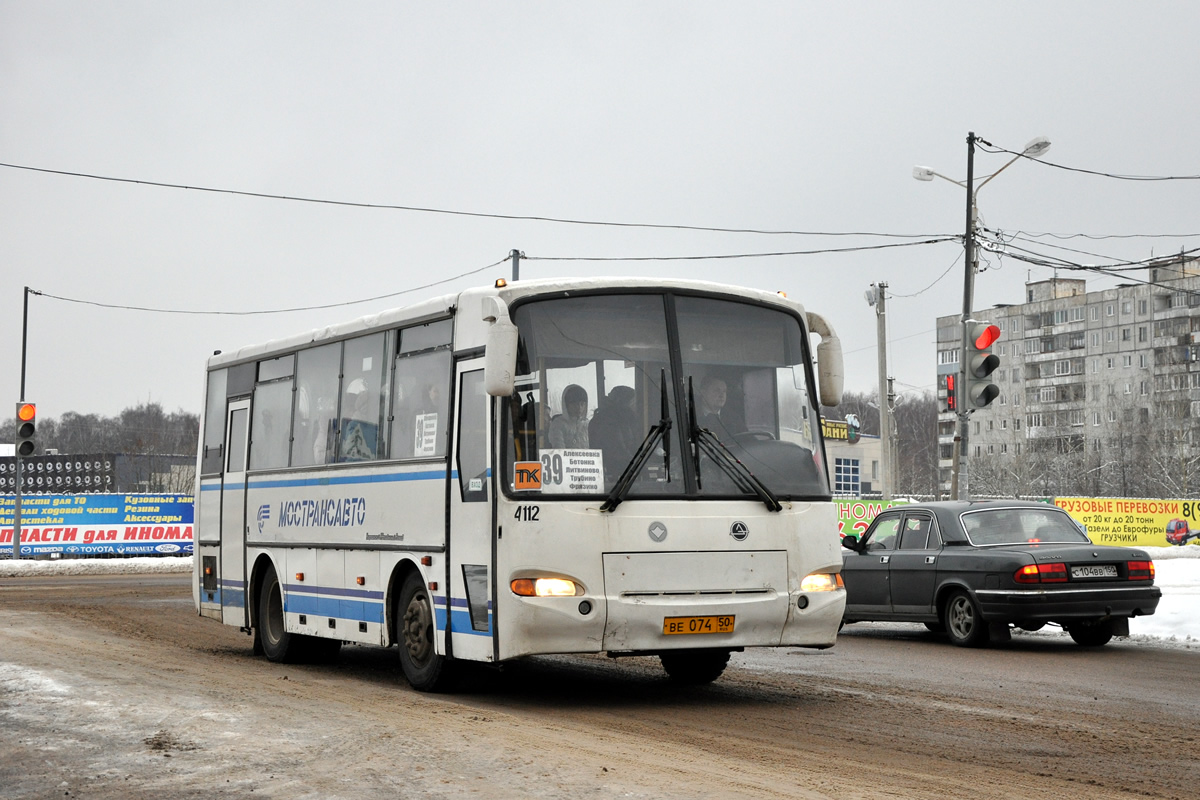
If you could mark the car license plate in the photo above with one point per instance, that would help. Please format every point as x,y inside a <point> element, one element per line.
<point>1095,571</point>
<point>714,624</point>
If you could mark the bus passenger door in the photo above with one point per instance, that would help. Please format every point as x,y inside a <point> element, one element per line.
<point>233,515</point>
<point>466,608</point>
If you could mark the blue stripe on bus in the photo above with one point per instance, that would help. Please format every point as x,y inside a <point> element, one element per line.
<point>462,622</point>
<point>391,477</point>
<point>361,593</point>
<point>355,610</point>
<point>233,597</point>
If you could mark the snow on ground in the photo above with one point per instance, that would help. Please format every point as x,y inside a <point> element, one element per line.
<point>1177,573</point>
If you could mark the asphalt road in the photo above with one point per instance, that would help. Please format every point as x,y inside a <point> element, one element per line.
<point>112,687</point>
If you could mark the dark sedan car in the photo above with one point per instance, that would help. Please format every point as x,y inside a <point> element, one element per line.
<point>973,569</point>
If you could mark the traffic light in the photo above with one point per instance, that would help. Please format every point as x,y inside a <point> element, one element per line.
<point>950,381</point>
<point>26,428</point>
<point>981,363</point>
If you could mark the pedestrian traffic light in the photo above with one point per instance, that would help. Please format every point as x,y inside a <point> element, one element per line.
<point>26,428</point>
<point>981,363</point>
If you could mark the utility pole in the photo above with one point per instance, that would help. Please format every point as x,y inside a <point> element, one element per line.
<point>516,256</point>
<point>959,487</point>
<point>877,296</point>
<point>18,461</point>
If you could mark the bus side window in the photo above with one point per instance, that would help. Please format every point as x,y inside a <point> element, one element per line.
<point>271,425</point>
<point>420,403</point>
<point>214,423</point>
<point>362,410</point>
<point>314,430</point>
<point>472,438</point>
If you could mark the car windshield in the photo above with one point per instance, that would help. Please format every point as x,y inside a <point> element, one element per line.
<point>1021,526</point>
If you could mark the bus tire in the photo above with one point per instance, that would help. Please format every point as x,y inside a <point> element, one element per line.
<point>276,643</point>
<point>423,667</point>
<point>694,667</point>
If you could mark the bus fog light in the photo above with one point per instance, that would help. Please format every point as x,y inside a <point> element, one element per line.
<point>585,608</point>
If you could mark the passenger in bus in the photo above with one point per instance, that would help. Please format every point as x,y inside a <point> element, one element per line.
<point>570,429</point>
<point>614,429</point>
<point>360,423</point>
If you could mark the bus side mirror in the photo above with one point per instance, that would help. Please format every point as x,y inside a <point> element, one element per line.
<point>830,373</point>
<point>500,354</point>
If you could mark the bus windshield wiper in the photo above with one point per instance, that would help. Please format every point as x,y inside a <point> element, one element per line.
<point>658,432</point>
<point>705,441</point>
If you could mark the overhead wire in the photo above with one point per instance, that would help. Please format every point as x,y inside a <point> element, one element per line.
<point>458,212</point>
<point>1115,176</point>
<point>267,311</point>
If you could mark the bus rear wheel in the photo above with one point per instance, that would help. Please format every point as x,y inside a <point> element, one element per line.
<point>277,644</point>
<point>694,667</point>
<point>273,638</point>
<point>422,666</point>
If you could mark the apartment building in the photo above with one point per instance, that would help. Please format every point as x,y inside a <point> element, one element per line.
<point>1079,370</point>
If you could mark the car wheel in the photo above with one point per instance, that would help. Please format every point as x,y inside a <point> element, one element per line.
<point>1091,633</point>
<point>964,624</point>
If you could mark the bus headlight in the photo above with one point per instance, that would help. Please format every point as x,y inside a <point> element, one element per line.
<point>545,587</point>
<point>821,582</point>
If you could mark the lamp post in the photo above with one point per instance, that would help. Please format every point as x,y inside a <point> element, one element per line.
<point>1033,149</point>
<point>876,296</point>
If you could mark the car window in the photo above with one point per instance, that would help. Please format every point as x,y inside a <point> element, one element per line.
<point>882,535</point>
<point>1021,526</point>
<point>916,532</point>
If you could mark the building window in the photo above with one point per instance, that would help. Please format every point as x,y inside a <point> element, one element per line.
<point>1047,394</point>
<point>1141,306</point>
<point>1095,365</point>
<point>1016,374</point>
<point>1127,307</point>
<point>1077,314</point>
<point>1129,388</point>
<point>1003,449</point>
<point>846,476</point>
<point>1125,337</point>
<point>1112,415</point>
<point>1062,367</point>
<point>1109,336</point>
<point>1141,333</point>
<point>1060,316</point>
<point>1143,361</point>
<point>1095,418</point>
<point>1095,313</point>
<point>1145,388</point>
<point>1109,309</point>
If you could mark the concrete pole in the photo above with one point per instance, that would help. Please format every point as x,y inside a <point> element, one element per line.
<point>885,412</point>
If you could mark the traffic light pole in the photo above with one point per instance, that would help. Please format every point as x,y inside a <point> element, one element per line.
<point>18,461</point>
<point>959,481</point>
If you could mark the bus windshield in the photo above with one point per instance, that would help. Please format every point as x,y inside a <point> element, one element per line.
<point>670,395</point>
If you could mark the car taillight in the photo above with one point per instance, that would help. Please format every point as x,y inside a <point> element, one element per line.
<point>1055,572</point>
<point>1141,570</point>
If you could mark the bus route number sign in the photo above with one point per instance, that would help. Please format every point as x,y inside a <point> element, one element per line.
<point>684,625</point>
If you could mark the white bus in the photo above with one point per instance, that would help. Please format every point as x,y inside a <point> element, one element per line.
<point>620,466</point>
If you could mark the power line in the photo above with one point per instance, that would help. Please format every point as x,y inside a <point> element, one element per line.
<point>1115,176</point>
<point>268,311</point>
<point>455,212</point>
<point>742,255</point>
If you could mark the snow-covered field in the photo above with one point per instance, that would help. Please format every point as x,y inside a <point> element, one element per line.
<point>1177,572</point>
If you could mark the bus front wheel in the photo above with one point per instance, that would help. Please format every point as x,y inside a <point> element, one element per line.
<point>693,667</point>
<point>423,667</point>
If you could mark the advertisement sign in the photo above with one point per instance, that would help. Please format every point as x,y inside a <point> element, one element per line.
<point>854,516</point>
<point>1136,523</point>
<point>99,524</point>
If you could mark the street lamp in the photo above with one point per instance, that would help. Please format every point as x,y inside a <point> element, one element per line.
<point>877,296</point>
<point>1034,149</point>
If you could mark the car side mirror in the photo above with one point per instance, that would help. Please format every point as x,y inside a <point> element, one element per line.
<point>850,542</point>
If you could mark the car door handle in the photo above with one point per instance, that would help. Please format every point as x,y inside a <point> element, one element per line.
<point>930,559</point>
<point>884,559</point>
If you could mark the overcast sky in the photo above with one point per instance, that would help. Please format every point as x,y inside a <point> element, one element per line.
<point>781,116</point>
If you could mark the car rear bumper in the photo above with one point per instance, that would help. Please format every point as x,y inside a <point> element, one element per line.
<point>1000,605</point>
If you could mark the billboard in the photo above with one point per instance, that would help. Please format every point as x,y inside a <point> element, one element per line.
<point>1135,523</point>
<point>99,524</point>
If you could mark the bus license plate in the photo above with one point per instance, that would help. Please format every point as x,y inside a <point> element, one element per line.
<point>715,624</point>
<point>1095,571</point>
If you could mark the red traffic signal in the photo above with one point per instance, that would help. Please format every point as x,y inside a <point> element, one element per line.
<point>981,364</point>
<point>985,335</point>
